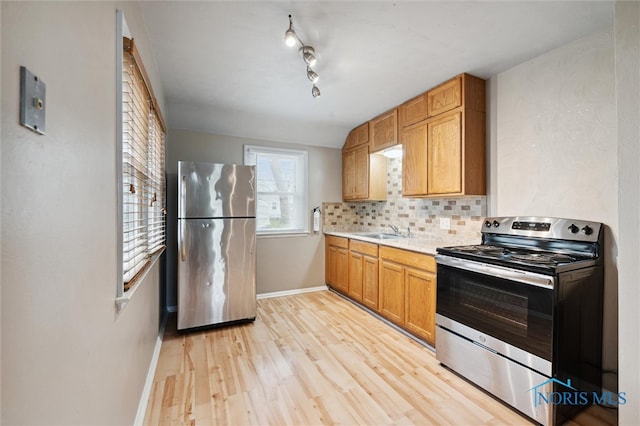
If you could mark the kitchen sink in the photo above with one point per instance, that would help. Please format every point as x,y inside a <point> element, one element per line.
<point>381,235</point>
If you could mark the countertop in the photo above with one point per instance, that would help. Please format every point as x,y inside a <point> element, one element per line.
<point>417,244</point>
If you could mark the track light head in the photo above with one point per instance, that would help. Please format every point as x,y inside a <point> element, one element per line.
<point>312,75</point>
<point>290,36</point>
<point>315,92</point>
<point>309,55</point>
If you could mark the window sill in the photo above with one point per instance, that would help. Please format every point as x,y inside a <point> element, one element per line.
<point>123,300</point>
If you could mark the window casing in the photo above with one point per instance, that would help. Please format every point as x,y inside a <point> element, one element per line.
<point>143,164</point>
<point>281,189</point>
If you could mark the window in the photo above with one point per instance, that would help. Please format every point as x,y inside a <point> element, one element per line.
<point>142,178</point>
<point>281,189</point>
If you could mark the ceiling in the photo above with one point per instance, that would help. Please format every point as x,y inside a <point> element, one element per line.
<point>225,69</point>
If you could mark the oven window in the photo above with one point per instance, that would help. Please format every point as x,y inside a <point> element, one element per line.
<point>508,309</point>
<point>518,314</point>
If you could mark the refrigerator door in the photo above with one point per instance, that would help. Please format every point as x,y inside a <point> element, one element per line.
<point>216,271</point>
<point>215,190</point>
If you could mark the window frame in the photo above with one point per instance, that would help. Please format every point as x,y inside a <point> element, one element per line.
<point>152,194</point>
<point>301,196</point>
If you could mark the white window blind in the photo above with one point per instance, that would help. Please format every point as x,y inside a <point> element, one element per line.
<point>281,189</point>
<point>143,180</point>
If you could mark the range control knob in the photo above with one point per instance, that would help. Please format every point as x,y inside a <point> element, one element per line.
<point>573,228</point>
<point>496,223</point>
<point>487,224</point>
<point>586,230</point>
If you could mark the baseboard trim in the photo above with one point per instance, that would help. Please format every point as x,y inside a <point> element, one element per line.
<point>291,292</point>
<point>146,391</point>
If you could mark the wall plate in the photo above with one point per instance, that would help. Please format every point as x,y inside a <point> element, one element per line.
<point>32,101</point>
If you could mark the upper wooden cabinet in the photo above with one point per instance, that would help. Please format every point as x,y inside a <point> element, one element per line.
<point>445,154</point>
<point>384,131</point>
<point>445,97</point>
<point>443,136</point>
<point>364,175</point>
<point>358,136</point>
<point>412,111</point>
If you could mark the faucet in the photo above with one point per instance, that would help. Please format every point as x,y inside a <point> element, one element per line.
<point>408,232</point>
<point>395,229</point>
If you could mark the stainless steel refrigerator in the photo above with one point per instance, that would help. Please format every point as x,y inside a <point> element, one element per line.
<point>216,244</point>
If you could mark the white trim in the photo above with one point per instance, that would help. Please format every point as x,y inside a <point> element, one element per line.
<point>291,292</point>
<point>122,301</point>
<point>146,391</point>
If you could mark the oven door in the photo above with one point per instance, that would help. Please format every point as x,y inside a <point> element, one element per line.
<point>515,307</point>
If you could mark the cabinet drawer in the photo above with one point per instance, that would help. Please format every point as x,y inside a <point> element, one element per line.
<point>445,97</point>
<point>337,241</point>
<point>409,258</point>
<point>364,248</point>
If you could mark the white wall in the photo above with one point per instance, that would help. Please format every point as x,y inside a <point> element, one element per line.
<point>283,263</point>
<point>67,356</point>
<point>627,53</point>
<point>554,149</point>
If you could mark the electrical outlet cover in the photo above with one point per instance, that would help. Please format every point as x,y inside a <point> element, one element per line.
<point>445,223</point>
<point>32,101</point>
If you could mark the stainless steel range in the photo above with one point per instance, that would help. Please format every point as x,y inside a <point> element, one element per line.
<point>520,314</point>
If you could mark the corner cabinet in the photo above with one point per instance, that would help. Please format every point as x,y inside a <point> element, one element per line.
<point>384,131</point>
<point>443,138</point>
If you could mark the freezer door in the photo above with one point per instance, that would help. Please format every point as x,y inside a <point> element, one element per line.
<point>215,190</point>
<point>216,271</point>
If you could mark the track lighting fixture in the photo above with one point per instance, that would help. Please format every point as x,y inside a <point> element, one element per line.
<point>308,55</point>
<point>312,75</point>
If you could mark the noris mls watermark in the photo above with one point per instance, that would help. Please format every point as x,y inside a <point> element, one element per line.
<point>566,394</point>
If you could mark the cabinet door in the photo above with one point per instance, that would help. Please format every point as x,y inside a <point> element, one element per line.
<point>370,291</point>
<point>384,131</point>
<point>445,97</point>
<point>444,155</point>
<point>420,303</point>
<point>348,174</point>
<point>414,160</point>
<point>342,270</point>
<point>412,111</point>
<point>329,269</point>
<point>361,173</point>
<point>355,276</point>
<point>392,298</point>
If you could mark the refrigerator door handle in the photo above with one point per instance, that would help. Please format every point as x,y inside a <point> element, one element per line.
<point>183,248</point>
<point>182,197</point>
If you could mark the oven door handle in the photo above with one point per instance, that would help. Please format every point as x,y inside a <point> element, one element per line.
<point>524,277</point>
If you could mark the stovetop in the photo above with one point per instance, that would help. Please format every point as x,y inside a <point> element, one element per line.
<point>520,258</point>
<point>538,244</point>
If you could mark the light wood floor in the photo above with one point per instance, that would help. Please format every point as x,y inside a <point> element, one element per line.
<point>314,359</point>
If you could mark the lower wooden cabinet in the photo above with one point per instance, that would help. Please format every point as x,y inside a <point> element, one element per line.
<point>408,291</point>
<point>363,273</point>
<point>337,266</point>
<point>398,284</point>
<point>420,303</point>
<point>392,298</point>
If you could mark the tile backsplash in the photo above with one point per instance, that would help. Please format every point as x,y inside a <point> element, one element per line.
<point>422,215</point>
